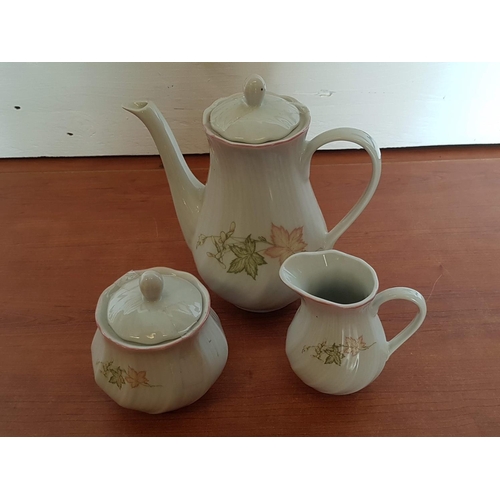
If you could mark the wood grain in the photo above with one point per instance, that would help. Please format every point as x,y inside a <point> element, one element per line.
<point>70,227</point>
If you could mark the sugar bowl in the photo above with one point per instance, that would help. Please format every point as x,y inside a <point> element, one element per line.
<point>158,346</point>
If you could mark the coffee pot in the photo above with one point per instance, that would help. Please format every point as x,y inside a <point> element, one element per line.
<point>257,207</point>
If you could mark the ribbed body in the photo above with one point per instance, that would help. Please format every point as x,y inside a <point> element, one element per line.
<point>335,342</point>
<point>160,380</point>
<point>252,189</point>
<point>347,330</point>
<point>257,208</point>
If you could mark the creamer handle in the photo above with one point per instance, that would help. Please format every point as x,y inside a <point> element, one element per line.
<point>402,294</point>
<point>365,141</point>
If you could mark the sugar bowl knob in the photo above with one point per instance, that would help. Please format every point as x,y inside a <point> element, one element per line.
<point>151,285</point>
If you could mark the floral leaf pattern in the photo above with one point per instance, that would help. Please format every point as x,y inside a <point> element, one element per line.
<point>353,346</point>
<point>135,379</point>
<point>120,377</point>
<point>335,353</point>
<point>117,377</point>
<point>285,243</point>
<point>237,265</point>
<point>248,252</point>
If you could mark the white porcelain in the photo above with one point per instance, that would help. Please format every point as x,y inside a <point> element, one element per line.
<point>151,307</point>
<point>336,343</point>
<point>258,206</point>
<point>254,116</point>
<point>164,376</point>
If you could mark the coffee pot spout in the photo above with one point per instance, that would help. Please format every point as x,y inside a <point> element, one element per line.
<point>187,191</point>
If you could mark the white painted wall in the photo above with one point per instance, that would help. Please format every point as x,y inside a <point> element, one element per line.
<point>399,104</point>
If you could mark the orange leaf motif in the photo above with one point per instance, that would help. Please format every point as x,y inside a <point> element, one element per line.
<point>353,346</point>
<point>285,243</point>
<point>135,379</point>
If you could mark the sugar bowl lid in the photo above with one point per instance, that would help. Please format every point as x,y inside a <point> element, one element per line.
<point>254,116</point>
<point>153,306</point>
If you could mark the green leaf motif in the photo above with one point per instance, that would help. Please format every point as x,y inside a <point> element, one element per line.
<point>117,377</point>
<point>247,257</point>
<point>259,260</point>
<point>238,251</point>
<point>251,267</point>
<point>246,262</point>
<point>250,244</point>
<point>237,265</point>
<point>334,356</point>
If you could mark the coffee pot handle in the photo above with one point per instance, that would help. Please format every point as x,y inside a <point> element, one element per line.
<point>401,293</point>
<point>366,142</point>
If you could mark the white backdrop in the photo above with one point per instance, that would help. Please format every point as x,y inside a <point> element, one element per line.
<point>74,109</point>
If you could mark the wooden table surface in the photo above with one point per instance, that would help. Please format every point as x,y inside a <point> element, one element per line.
<point>70,227</point>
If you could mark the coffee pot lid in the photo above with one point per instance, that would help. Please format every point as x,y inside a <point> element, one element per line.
<point>254,116</point>
<point>151,307</point>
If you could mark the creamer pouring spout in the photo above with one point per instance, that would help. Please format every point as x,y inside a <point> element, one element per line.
<point>258,206</point>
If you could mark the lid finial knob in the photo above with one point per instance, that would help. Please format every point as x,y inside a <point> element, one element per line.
<point>255,116</point>
<point>151,285</point>
<point>254,90</point>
